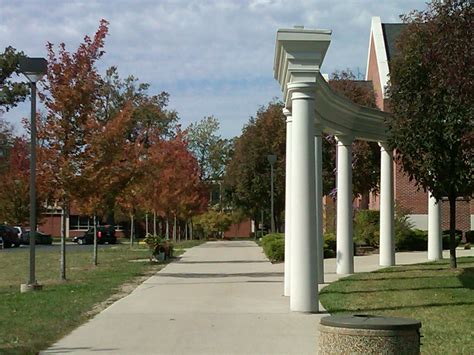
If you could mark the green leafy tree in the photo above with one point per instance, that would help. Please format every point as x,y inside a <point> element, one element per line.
<point>213,223</point>
<point>431,97</point>
<point>247,178</point>
<point>210,149</point>
<point>150,112</point>
<point>7,139</point>
<point>150,119</point>
<point>11,93</point>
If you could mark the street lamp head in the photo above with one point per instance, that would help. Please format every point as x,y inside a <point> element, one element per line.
<point>33,68</point>
<point>272,159</point>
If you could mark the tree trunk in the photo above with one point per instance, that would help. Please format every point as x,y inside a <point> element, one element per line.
<point>364,200</point>
<point>452,230</point>
<point>174,229</point>
<point>146,224</point>
<point>132,232</point>
<point>167,232</point>
<point>94,255</point>
<point>64,214</point>
<point>154,222</point>
<point>186,230</point>
<point>191,230</point>
<point>179,232</point>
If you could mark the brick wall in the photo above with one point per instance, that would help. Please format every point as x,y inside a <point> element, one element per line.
<point>239,230</point>
<point>463,215</point>
<point>50,224</point>
<point>406,195</point>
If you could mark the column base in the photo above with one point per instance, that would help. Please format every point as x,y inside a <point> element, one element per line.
<point>24,288</point>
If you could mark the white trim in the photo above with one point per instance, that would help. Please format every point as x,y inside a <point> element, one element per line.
<point>376,33</point>
<point>419,221</point>
<point>368,52</point>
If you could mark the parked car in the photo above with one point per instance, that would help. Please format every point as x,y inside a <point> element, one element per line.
<point>105,234</point>
<point>41,238</point>
<point>9,236</point>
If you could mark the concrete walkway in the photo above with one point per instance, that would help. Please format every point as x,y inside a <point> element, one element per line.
<point>219,298</point>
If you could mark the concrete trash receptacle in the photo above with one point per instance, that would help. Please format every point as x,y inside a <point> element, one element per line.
<point>366,334</point>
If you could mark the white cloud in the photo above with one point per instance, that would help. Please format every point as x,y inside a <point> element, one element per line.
<point>214,57</point>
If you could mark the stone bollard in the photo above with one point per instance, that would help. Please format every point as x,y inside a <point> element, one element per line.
<point>366,334</point>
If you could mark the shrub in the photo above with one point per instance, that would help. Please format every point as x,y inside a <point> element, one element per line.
<point>366,228</point>
<point>212,223</point>
<point>274,247</point>
<point>159,245</point>
<point>402,227</point>
<point>415,239</point>
<point>329,245</point>
<point>457,238</point>
<point>469,235</point>
<point>270,237</point>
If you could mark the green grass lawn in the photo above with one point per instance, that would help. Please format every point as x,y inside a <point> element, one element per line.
<point>31,322</point>
<point>441,298</point>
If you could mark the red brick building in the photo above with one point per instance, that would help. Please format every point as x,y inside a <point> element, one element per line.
<point>382,47</point>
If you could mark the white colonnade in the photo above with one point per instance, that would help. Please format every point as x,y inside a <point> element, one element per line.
<point>287,279</point>
<point>435,242</point>
<point>318,152</point>
<point>303,262</point>
<point>344,243</point>
<point>311,108</point>
<point>387,232</point>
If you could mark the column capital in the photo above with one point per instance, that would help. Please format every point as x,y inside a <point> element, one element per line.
<point>302,90</point>
<point>344,139</point>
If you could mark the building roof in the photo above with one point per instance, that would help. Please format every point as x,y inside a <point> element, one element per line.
<point>391,32</point>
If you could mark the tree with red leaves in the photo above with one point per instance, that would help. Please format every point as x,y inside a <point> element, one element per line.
<point>14,185</point>
<point>175,187</point>
<point>69,94</point>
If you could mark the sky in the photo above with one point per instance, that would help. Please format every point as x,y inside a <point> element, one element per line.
<point>212,57</point>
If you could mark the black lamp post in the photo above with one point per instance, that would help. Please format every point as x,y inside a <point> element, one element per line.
<point>272,160</point>
<point>34,69</point>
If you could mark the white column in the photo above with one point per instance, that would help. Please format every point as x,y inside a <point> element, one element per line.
<point>304,283</point>
<point>287,280</point>
<point>318,146</point>
<point>435,245</point>
<point>344,239</point>
<point>387,235</point>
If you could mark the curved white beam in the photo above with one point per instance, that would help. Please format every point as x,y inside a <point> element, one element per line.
<point>340,115</point>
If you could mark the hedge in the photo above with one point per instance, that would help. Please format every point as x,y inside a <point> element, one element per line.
<point>274,246</point>
<point>457,238</point>
<point>414,240</point>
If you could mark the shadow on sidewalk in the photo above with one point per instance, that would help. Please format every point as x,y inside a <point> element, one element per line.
<point>223,262</point>
<point>217,275</point>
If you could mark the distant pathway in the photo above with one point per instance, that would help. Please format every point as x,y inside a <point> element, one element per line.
<point>219,298</point>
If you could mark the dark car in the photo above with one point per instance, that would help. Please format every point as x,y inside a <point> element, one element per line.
<point>9,236</point>
<point>41,238</point>
<point>105,234</point>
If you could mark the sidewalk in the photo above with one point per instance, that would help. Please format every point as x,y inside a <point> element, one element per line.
<point>219,298</point>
